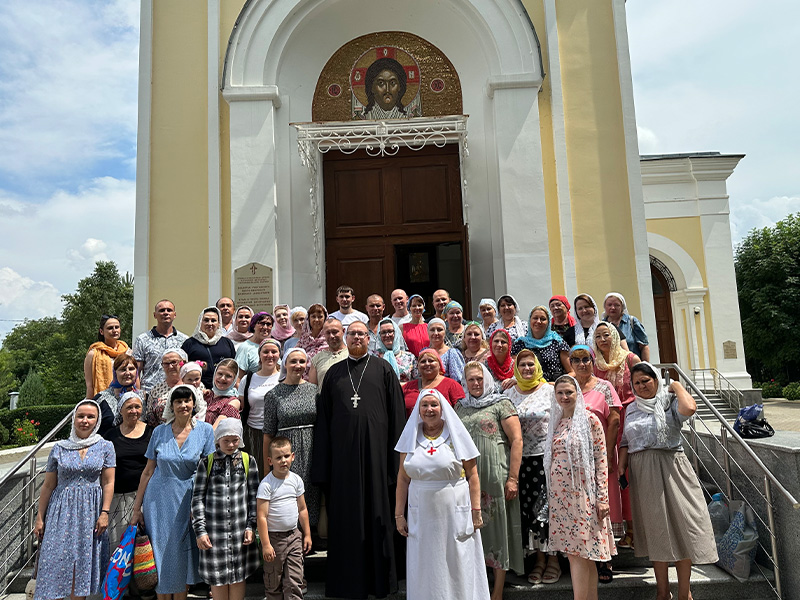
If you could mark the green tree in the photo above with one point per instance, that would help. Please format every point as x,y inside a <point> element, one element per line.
<point>32,392</point>
<point>768,277</point>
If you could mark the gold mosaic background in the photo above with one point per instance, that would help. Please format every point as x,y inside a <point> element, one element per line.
<point>439,86</point>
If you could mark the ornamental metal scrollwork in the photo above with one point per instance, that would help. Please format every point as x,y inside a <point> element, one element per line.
<point>376,138</point>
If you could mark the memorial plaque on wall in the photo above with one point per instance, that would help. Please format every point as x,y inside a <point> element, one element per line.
<point>729,349</point>
<point>252,286</point>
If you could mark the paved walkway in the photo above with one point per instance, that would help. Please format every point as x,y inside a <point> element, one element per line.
<point>782,414</point>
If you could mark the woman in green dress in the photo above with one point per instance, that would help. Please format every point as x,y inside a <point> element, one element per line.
<point>492,421</point>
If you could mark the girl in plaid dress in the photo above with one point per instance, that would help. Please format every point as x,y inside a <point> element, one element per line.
<point>224,513</point>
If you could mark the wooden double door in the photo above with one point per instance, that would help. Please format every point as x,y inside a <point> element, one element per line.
<point>395,222</point>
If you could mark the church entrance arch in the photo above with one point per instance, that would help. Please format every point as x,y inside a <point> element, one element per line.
<point>395,222</point>
<point>663,284</point>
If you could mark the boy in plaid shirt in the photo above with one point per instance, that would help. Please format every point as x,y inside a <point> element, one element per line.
<point>224,513</point>
<point>281,504</point>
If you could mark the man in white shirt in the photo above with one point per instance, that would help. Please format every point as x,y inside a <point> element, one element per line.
<point>345,296</point>
<point>227,308</point>
<point>375,308</point>
<point>336,351</point>
<point>399,300</point>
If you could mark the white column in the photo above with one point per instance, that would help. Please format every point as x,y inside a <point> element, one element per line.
<point>526,254</point>
<point>214,199</point>
<point>253,196</point>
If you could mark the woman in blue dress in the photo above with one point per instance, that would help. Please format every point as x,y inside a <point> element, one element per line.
<point>73,510</point>
<point>164,500</point>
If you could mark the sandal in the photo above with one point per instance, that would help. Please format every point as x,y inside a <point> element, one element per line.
<point>552,573</point>
<point>604,572</point>
<point>626,541</point>
<point>536,575</point>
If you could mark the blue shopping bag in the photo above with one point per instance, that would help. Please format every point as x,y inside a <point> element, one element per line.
<point>120,568</point>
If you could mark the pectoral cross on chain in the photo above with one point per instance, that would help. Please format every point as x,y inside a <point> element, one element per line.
<point>355,398</point>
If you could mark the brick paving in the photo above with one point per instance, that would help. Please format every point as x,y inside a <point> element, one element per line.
<point>782,414</point>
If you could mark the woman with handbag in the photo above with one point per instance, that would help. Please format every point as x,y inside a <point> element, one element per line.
<point>163,501</point>
<point>73,510</point>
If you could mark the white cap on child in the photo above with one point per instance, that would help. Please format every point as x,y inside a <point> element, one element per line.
<point>229,426</point>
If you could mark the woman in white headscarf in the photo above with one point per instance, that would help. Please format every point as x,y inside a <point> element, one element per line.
<point>576,467</point>
<point>492,421</point>
<point>673,525</point>
<point>208,343</point>
<point>631,328</point>
<point>487,313</point>
<point>438,477</point>
<point>74,506</point>
<point>509,320</point>
<point>241,326</point>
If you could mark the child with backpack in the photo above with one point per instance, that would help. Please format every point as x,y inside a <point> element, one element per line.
<point>281,505</point>
<point>224,513</point>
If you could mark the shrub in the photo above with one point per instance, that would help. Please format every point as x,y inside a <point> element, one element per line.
<point>24,432</point>
<point>3,435</point>
<point>47,416</point>
<point>771,389</point>
<point>32,392</point>
<point>792,391</point>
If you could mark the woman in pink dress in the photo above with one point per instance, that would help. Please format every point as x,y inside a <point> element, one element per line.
<point>576,470</point>
<point>613,363</point>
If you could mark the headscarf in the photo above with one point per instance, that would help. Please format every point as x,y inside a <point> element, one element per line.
<point>583,347</point>
<point>256,318</point>
<point>488,397</point>
<point>388,354</point>
<point>266,341</point>
<point>285,360</point>
<point>463,445</point>
<point>434,321</point>
<point>279,332</point>
<point>234,335</point>
<point>580,337</point>
<point>615,365</point>
<point>201,336</point>
<point>231,391</point>
<point>435,354</point>
<point>228,427</point>
<point>657,405</point>
<point>468,324</point>
<point>509,297</point>
<point>549,336</point>
<point>565,302</point>
<point>76,443</point>
<point>578,444</point>
<point>121,404</point>
<point>411,297</point>
<point>312,345</point>
<point>538,374</point>
<point>191,366</point>
<point>506,370</point>
<point>179,351</point>
<point>490,302</point>
<point>450,305</point>
<point>619,297</point>
<point>168,416</point>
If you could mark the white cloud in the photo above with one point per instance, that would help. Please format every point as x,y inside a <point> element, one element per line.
<point>23,298</point>
<point>758,214</point>
<point>57,239</point>
<point>68,85</point>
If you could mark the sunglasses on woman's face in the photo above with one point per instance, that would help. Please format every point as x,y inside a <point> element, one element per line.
<point>584,360</point>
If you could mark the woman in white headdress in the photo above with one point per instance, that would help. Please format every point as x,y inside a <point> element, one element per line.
<point>74,505</point>
<point>576,467</point>
<point>438,477</point>
<point>673,525</point>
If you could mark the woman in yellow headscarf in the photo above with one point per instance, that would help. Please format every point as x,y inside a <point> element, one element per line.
<point>98,370</point>
<point>532,396</point>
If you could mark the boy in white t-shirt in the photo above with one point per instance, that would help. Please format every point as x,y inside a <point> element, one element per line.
<point>281,504</point>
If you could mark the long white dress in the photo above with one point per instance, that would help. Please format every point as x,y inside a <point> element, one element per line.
<point>444,553</point>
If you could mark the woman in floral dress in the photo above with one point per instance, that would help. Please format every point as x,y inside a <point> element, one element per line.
<point>290,409</point>
<point>576,469</point>
<point>493,423</point>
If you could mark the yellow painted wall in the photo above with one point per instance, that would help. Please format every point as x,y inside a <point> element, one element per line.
<point>178,264</point>
<point>598,174</point>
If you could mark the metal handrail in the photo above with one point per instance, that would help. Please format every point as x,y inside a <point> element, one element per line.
<point>716,378</point>
<point>32,453</point>
<point>732,432</point>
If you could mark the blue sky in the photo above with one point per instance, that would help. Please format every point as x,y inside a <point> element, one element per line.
<point>711,75</point>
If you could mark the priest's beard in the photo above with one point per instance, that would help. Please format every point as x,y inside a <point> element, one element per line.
<point>357,351</point>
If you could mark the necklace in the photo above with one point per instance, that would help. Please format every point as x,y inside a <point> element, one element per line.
<point>355,397</point>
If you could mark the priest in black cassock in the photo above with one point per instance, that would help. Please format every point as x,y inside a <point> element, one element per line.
<point>360,417</point>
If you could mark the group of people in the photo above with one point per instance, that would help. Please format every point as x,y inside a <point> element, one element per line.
<point>449,446</point>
